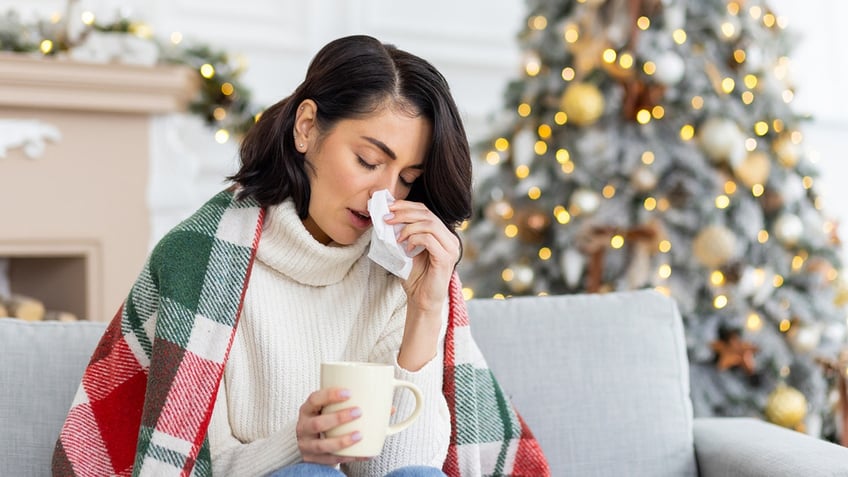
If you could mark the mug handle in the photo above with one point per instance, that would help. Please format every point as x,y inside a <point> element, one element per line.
<point>419,404</point>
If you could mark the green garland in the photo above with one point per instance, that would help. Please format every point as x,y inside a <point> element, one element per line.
<point>223,102</point>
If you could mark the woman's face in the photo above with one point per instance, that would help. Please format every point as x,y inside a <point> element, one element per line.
<point>355,159</point>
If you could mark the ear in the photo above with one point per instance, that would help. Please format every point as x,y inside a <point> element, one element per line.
<point>305,132</point>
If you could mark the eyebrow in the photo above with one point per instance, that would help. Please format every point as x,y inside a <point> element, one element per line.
<point>386,149</point>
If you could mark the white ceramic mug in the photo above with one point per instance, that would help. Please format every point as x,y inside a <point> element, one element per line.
<point>372,387</point>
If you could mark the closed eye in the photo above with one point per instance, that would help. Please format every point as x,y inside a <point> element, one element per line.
<point>366,164</point>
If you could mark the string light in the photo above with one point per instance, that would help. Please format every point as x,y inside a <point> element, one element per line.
<point>687,132</point>
<point>697,102</point>
<point>750,144</point>
<point>540,148</point>
<point>609,55</point>
<point>207,71</point>
<point>722,201</point>
<point>650,203</point>
<point>228,89</point>
<point>761,128</point>
<point>498,296</point>
<point>222,136</point>
<point>511,230</point>
<point>755,12</point>
<point>739,55</point>
<point>658,112</point>
<point>788,96</point>
<point>747,97</point>
<point>87,18</point>
<point>720,302</point>
<point>608,191</point>
<point>524,110</point>
<point>733,8</point>
<point>534,193</point>
<point>176,38</point>
<point>807,181</point>
<point>545,253</point>
<point>649,68</point>
<point>537,22</point>
<point>762,236</point>
<point>493,158</point>
<point>563,156</point>
<point>46,46</point>
<point>648,158</point>
<point>750,81</point>
<point>501,144</point>
<point>679,36</point>
<point>560,118</point>
<point>522,171</point>
<point>717,278</point>
<point>617,241</point>
<point>664,246</point>
<point>728,85</point>
<point>467,293</point>
<point>219,113</point>
<point>777,281</point>
<point>562,215</point>
<point>754,322</point>
<point>626,61</point>
<point>757,190</point>
<point>769,20</point>
<point>643,23</point>
<point>643,116</point>
<point>571,33</point>
<point>544,131</point>
<point>784,325</point>
<point>730,187</point>
<point>664,271</point>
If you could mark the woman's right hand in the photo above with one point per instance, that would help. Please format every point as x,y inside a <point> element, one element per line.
<point>311,426</point>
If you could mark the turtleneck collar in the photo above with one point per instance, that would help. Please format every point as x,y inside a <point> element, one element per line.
<point>287,247</point>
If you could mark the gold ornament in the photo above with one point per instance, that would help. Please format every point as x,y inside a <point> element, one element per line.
<point>787,152</point>
<point>786,406</point>
<point>714,246</point>
<point>583,103</point>
<point>754,169</point>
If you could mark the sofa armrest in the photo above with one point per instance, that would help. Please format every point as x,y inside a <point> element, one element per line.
<point>747,447</point>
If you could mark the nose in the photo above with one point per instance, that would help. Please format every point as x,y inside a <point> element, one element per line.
<point>391,182</point>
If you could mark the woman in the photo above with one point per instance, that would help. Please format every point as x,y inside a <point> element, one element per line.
<point>210,366</point>
<point>367,117</point>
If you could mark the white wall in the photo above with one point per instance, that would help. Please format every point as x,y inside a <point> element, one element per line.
<point>471,41</point>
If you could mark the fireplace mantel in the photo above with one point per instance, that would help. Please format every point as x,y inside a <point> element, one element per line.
<point>73,205</point>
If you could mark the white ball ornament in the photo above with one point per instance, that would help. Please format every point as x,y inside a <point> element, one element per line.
<point>644,180</point>
<point>522,278</point>
<point>670,68</point>
<point>788,228</point>
<point>805,338</point>
<point>722,141</point>
<point>585,201</point>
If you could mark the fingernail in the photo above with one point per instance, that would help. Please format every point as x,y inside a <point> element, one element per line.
<point>344,393</point>
<point>389,216</point>
<point>356,436</point>
<point>356,412</point>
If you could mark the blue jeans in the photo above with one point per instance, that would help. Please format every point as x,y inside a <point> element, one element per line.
<point>305,469</point>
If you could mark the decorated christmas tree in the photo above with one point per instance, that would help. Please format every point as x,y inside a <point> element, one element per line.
<point>653,144</point>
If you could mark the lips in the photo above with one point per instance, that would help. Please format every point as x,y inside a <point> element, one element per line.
<point>360,219</point>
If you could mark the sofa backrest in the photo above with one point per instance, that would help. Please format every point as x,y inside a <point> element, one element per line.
<point>41,365</point>
<point>601,380</point>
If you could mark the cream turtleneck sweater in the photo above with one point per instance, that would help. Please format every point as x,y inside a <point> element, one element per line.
<point>308,303</point>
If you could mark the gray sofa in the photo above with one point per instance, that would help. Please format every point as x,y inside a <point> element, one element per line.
<point>602,380</point>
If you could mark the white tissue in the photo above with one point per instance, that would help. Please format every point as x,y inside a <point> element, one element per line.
<point>385,249</point>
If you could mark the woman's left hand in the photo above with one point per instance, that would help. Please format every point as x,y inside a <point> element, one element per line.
<point>427,285</point>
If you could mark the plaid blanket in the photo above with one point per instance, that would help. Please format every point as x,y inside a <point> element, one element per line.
<point>147,395</point>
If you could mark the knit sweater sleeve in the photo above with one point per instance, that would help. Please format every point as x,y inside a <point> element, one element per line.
<point>425,442</point>
<point>232,457</point>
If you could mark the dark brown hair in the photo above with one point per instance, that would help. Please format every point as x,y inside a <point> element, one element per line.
<point>351,78</point>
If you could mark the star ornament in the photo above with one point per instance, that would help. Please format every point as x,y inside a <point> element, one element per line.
<point>732,351</point>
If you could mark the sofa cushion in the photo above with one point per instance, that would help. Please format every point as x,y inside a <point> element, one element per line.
<point>601,380</point>
<point>41,365</point>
